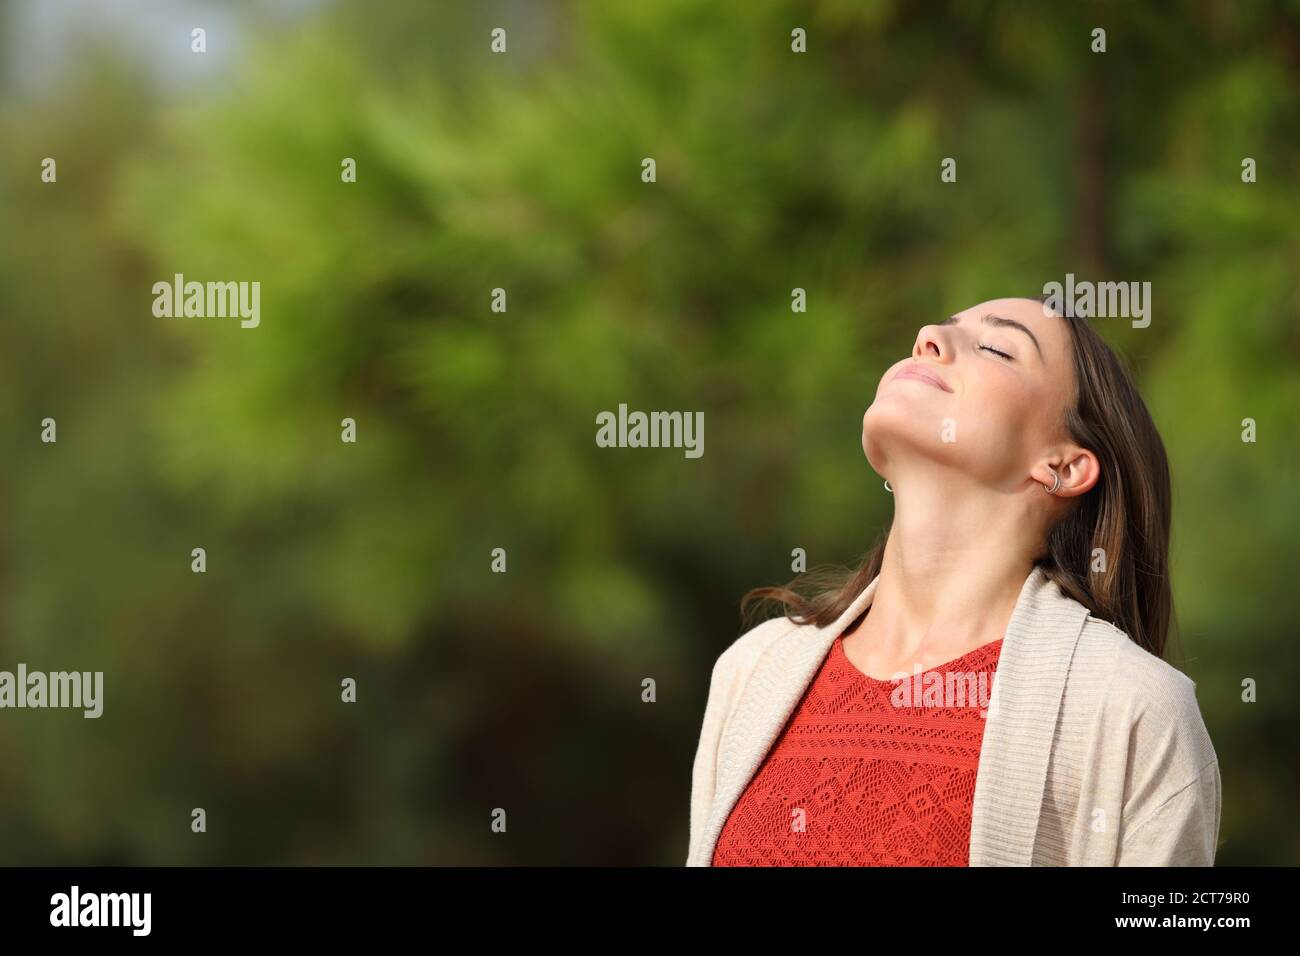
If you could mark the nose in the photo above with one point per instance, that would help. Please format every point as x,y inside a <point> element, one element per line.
<point>932,343</point>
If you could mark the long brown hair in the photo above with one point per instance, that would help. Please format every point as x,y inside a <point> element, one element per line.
<point>1126,515</point>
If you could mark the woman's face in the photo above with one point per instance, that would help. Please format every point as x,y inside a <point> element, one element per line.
<point>984,392</point>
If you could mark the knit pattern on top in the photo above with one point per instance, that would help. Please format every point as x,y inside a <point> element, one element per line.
<point>855,779</point>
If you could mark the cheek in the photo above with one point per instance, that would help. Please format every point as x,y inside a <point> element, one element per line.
<point>997,412</point>
<point>1010,418</point>
<point>1010,400</point>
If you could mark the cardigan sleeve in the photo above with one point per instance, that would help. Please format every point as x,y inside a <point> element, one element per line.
<point>1170,772</point>
<point>730,672</point>
<point>1182,831</point>
<point>704,770</point>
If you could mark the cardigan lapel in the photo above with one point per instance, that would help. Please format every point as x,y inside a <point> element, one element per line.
<point>1036,653</point>
<point>774,688</point>
<point>1022,715</point>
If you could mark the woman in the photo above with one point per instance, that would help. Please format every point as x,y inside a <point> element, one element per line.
<point>1030,546</point>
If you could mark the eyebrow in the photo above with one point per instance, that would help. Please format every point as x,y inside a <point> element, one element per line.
<point>1000,322</point>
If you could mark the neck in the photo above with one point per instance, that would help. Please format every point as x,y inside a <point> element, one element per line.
<point>956,560</point>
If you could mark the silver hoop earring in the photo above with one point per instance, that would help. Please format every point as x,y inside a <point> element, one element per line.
<point>887,486</point>
<point>1055,484</point>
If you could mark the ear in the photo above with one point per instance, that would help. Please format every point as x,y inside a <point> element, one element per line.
<point>1079,471</point>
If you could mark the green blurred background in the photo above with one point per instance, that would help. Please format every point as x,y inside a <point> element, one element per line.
<point>476,429</point>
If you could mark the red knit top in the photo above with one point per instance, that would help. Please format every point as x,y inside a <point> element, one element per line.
<point>869,772</point>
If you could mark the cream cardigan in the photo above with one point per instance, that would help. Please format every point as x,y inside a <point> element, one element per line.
<point>1094,754</point>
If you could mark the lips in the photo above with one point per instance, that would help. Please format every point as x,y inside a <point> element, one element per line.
<point>922,374</point>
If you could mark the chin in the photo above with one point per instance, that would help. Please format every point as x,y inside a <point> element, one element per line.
<point>875,426</point>
<point>896,426</point>
<point>889,414</point>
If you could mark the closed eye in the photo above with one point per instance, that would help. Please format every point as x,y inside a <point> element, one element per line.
<point>1004,355</point>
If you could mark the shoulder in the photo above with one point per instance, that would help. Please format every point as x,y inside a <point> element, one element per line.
<point>1105,656</point>
<point>743,653</point>
<point>1133,674</point>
